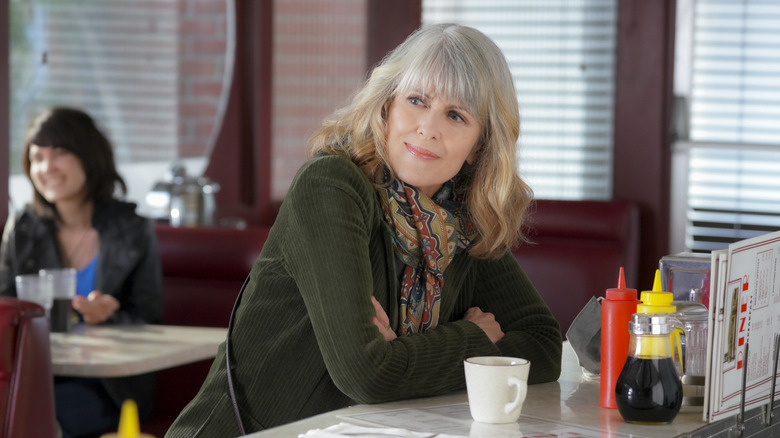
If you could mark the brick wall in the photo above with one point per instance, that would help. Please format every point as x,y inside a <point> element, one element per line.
<point>202,45</point>
<point>319,61</point>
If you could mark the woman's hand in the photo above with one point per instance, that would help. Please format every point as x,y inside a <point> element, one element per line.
<point>486,321</point>
<point>382,321</point>
<point>96,307</point>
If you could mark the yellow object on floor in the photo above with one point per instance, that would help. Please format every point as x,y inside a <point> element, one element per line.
<point>129,426</point>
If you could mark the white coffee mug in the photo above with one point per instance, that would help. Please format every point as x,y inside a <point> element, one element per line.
<point>496,387</point>
<point>488,430</point>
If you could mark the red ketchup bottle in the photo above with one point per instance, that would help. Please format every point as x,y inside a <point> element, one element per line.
<point>616,311</point>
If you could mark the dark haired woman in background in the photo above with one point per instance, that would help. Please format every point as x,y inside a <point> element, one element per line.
<point>74,220</point>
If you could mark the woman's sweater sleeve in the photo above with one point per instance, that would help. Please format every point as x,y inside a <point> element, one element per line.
<point>531,331</point>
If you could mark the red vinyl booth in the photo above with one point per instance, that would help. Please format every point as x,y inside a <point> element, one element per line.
<point>203,270</point>
<point>26,381</point>
<point>576,250</point>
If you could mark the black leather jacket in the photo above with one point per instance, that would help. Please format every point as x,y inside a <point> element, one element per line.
<point>128,269</point>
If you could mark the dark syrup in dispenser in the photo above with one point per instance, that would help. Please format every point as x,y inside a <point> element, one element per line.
<point>649,389</point>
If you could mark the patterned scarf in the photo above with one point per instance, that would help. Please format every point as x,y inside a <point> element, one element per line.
<point>427,236</point>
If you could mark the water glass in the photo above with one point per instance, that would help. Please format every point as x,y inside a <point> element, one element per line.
<point>35,288</point>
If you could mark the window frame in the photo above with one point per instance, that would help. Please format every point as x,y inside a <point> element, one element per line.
<point>683,146</point>
<point>5,125</point>
<point>643,110</point>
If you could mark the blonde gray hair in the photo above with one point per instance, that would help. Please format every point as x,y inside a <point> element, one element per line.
<point>464,65</point>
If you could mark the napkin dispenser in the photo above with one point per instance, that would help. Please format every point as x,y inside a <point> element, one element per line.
<point>584,336</point>
<point>184,200</point>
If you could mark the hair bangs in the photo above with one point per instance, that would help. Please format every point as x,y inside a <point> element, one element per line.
<point>444,71</point>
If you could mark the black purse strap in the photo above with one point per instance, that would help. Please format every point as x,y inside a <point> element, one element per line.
<point>227,359</point>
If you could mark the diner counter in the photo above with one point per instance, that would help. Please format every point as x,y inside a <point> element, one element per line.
<point>562,408</point>
<point>125,350</point>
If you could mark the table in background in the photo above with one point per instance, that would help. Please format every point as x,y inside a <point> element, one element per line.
<point>573,400</point>
<point>126,350</point>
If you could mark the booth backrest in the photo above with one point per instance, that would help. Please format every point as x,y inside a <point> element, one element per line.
<point>26,381</point>
<point>203,270</point>
<point>576,250</point>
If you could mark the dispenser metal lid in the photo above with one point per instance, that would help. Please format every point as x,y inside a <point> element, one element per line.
<point>650,324</point>
<point>183,199</point>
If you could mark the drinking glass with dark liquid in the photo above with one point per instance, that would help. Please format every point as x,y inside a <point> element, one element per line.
<point>61,315</point>
<point>649,389</point>
<point>63,283</point>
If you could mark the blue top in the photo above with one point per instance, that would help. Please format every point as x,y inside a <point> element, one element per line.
<point>85,278</point>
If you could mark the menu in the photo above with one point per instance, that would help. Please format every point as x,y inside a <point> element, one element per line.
<point>744,317</point>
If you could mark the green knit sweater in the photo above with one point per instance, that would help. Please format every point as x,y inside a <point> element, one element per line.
<point>303,342</point>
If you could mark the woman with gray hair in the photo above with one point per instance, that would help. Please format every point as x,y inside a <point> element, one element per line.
<point>389,262</point>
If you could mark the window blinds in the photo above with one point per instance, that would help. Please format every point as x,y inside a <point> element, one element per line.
<point>116,61</point>
<point>151,73</point>
<point>734,161</point>
<point>733,194</point>
<point>562,56</point>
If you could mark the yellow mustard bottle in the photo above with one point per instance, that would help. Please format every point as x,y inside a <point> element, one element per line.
<point>129,426</point>
<point>656,300</point>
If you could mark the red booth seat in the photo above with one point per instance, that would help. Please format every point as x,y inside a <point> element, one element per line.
<point>203,270</point>
<point>576,251</point>
<point>26,381</point>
